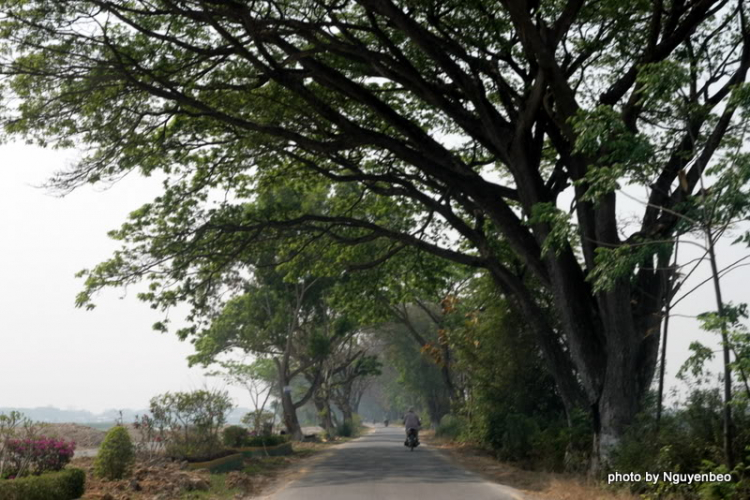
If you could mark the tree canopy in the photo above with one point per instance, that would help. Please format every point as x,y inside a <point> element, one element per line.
<point>403,127</point>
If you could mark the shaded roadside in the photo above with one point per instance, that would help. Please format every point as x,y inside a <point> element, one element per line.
<point>533,484</point>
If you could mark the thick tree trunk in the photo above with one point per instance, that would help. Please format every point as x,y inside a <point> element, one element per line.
<point>291,422</point>
<point>289,415</point>
<point>346,403</point>
<point>610,350</point>
<point>324,414</point>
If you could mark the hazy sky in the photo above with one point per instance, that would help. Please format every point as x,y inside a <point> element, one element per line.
<point>54,354</point>
<point>50,352</point>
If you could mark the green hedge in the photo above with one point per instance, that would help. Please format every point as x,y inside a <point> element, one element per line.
<point>67,484</point>
<point>273,440</point>
<point>270,451</point>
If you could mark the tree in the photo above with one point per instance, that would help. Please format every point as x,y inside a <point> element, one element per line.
<point>258,379</point>
<point>349,377</point>
<point>288,322</point>
<point>418,380</point>
<point>426,120</point>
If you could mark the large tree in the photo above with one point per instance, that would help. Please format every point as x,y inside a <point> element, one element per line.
<point>452,127</point>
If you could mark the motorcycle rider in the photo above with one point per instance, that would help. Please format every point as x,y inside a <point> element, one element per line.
<point>411,421</point>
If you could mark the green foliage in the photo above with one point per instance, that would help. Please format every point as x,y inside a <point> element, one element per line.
<point>272,440</point>
<point>738,338</point>
<point>235,436</point>
<point>616,264</point>
<point>260,421</point>
<point>13,426</point>
<point>513,409</point>
<point>67,484</point>
<point>318,158</point>
<point>116,455</point>
<point>345,429</point>
<point>193,419</point>
<point>450,427</point>
<point>562,231</point>
<point>689,441</point>
<point>620,154</point>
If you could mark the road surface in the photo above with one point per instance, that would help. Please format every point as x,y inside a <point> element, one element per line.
<point>379,467</point>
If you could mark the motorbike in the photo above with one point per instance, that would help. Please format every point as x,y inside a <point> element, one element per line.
<point>412,441</point>
<point>386,422</point>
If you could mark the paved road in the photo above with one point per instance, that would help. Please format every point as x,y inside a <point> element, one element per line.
<point>378,466</point>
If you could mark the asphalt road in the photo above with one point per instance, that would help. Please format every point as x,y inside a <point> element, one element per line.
<point>378,466</point>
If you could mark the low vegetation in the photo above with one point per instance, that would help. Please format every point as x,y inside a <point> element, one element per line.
<point>67,484</point>
<point>116,455</point>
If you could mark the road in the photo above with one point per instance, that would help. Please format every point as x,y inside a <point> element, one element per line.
<point>378,466</point>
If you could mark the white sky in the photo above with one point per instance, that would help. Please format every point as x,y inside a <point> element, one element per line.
<point>50,352</point>
<point>54,354</point>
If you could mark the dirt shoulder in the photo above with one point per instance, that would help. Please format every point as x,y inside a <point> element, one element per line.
<point>167,480</point>
<point>534,485</point>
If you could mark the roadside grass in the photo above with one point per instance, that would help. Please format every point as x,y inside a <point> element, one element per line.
<point>219,490</point>
<point>269,465</point>
<point>533,484</point>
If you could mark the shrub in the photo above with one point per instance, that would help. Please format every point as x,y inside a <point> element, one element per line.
<point>25,457</point>
<point>690,441</point>
<point>193,420</point>
<point>14,427</point>
<point>116,455</point>
<point>67,484</point>
<point>345,429</point>
<point>235,436</point>
<point>273,440</point>
<point>450,427</point>
<point>260,421</point>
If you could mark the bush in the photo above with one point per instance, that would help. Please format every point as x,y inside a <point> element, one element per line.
<point>67,484</point>
<point>260,421</point>
<point>450,427</point>
<point>25,457</point>
<point>257,441</point>
<point>116,455</point>
<point>235,436</point>
<point>194,420</point>
<point>689,441</point>
<point>345,429</point>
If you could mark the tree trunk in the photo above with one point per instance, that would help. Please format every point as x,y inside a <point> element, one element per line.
<point>291,422</point>
<point>728,430</point>
<point>612,347</point>
<point>663,359</point>
<point>324,414</point>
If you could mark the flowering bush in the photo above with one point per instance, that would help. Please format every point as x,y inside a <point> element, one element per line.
<point>35,456</point>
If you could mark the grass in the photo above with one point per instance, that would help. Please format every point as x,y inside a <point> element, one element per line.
<point>218,490</point>
<point>266,468</point>
<point>266,465</point>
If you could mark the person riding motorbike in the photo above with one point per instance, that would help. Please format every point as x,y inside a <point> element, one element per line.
<point>411,421</point>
